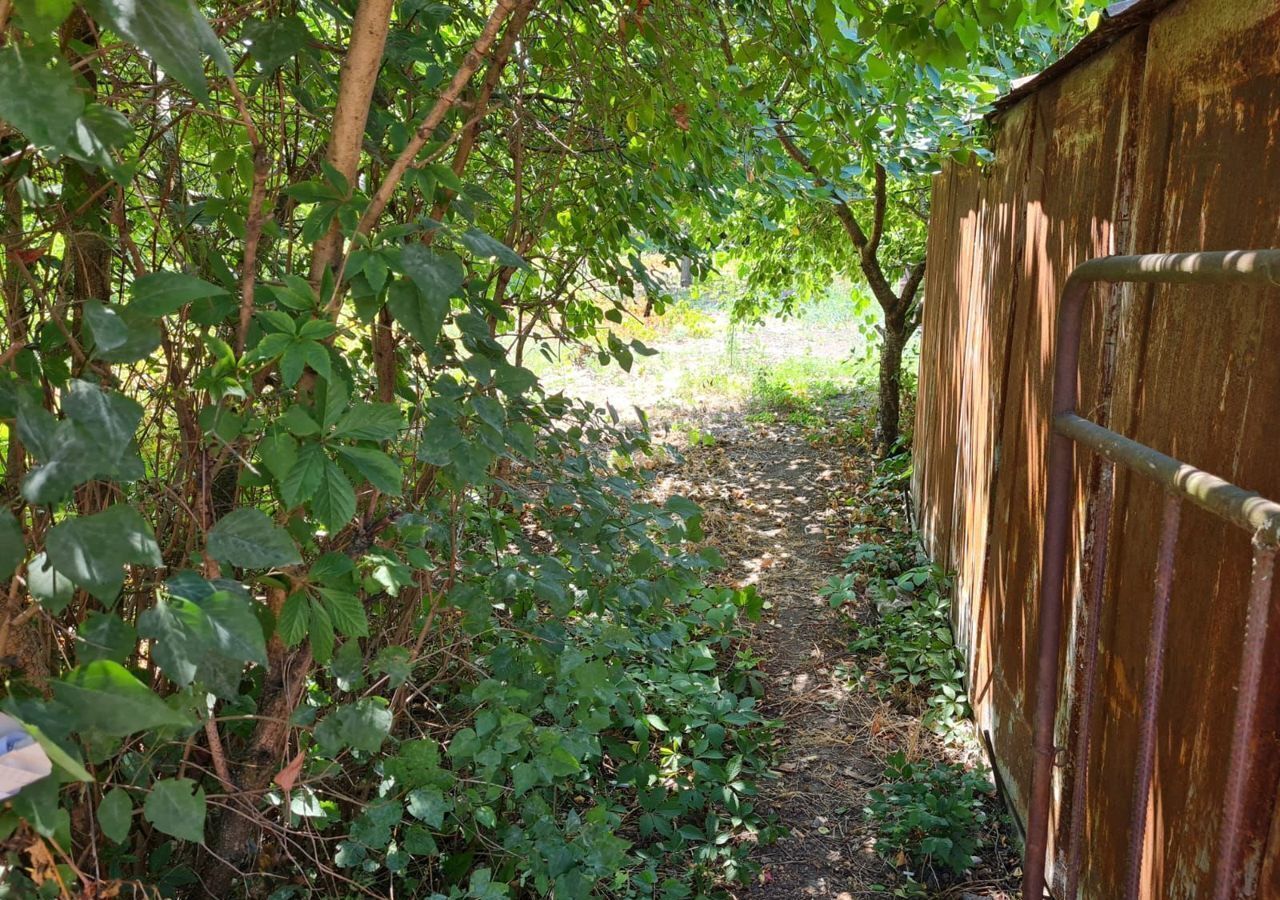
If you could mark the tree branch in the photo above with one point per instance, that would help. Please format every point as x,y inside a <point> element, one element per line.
<point>355,93</point>
<point>426,128</point>
<point>877,217</point>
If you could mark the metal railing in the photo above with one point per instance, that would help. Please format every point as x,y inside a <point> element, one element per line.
<point>1257,515</point>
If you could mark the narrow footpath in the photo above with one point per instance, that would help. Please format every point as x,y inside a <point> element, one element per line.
<point>777,508</point>
<point>772,509</point>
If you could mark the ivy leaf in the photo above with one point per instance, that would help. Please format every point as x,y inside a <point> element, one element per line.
<point>42,101</point>
<point>164,293</point>
<point>362,725</point>
<point>105,636</point>
<point>119,336</point>
<point>381,470</point>
<point>115,814</point>
<point>176,806</point>
<point>172,32</point>
<point>93,550</point>
<point>427,805</point>
<point>275,41</point>
<point>334,500</point>
<point>486,247</point>
<point>102,696</point>
<point>13,549</point>
<point>205,631</point>
<point>394,663</point>
<point>98,131</point>
<point>247,538</point>
<point>439,439</point>
<point>110,417</point>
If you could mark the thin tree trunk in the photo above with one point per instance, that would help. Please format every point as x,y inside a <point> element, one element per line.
<point>355,93</point>
<point>231,843</point>
<point>890,409</point>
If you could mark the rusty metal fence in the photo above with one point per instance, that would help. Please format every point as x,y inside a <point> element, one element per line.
<point>1163,134</point>
<point>1246,509</point>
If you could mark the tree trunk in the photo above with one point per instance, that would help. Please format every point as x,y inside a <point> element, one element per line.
<point>887,419</point>
<point>686,272</point>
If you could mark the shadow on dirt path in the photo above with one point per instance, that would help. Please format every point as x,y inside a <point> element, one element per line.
<point>772,511</point>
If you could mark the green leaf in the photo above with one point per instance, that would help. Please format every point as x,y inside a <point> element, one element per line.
<point>172,32</point>
<point>68,762</point>
<point>105,636</point>
<point>275,41</point>
<point>439,439</point>
<point>295,618</point>
<point>486,247</point>
<point>362,725</point>
<point>205,631</point>
<point>43,102</point>
<point>370,422</point>
<point>427,805</point>
<point>416,315</point>
<point>119,335</point>
<point>102,696</point>
<point>92,550</point>
<point>346,612</point>
<point>438,274</point>
<point>381,470</point>
<point>115,814</point>
<point>394,663</point>
<point>176,806</point>
<point>321,632</point>
<point>334,500</point>
<point>43,15</point>
<point>99,131</point>
<point>247,538</point>
<point>110,417</point>
<point>164,293</point>
<point>303,479</point>
<point>13,548</point>
<point>54,591</point>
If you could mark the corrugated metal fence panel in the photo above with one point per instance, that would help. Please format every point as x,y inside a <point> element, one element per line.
<point>1187,116</point>
<point>932,471</point>
<point>1204,388</point>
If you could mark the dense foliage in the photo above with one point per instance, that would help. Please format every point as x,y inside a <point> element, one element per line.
<point>312,589</point>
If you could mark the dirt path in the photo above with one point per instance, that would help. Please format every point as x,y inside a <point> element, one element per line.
<point>771,509</point>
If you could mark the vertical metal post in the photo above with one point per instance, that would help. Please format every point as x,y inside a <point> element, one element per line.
<point>1243,734</point>
<point>1088,689</point>
<point>1153,684</point>
<point>1244,508</point>
<point>1053,571</point>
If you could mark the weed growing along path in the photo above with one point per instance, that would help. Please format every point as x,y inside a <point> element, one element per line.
<point>775,502</point>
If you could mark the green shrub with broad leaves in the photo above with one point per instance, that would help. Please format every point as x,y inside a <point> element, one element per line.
<point>929,818</point>
<point>312,589</point>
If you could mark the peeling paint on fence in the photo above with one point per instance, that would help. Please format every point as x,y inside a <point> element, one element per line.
<point>1166,138</point>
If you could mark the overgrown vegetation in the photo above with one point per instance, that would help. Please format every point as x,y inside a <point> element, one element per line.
<point>313,589</point>
<point>932,817</point>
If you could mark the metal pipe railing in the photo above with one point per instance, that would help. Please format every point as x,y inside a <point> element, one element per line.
<point>1246,509</point>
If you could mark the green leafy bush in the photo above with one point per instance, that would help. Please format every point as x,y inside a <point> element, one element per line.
<point>929,818</point>
<point>912,633</point>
